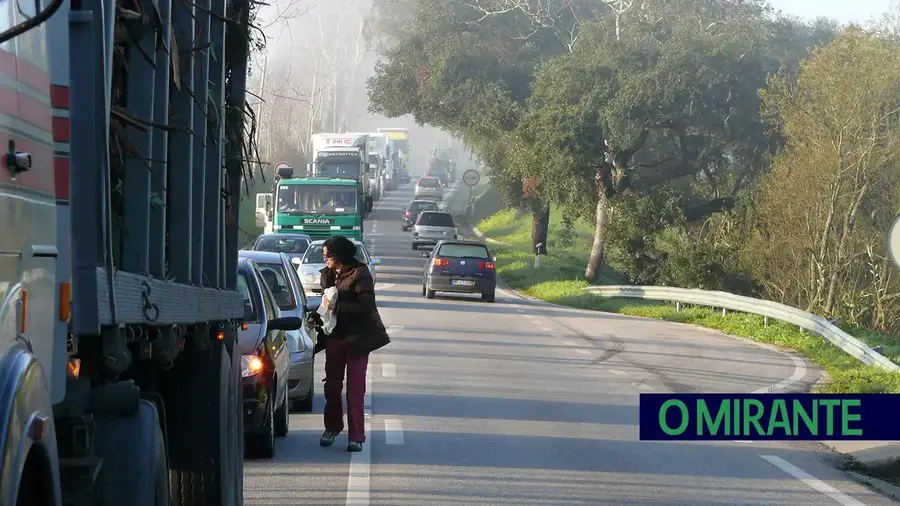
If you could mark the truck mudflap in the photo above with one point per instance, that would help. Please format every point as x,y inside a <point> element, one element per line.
<point>27,431</point>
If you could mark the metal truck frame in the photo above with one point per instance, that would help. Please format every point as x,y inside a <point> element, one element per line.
<point>120,380</point>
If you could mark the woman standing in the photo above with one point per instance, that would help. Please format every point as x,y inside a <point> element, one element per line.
<point>359,331</point>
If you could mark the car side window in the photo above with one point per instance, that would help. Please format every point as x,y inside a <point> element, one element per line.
<point>267,297</point>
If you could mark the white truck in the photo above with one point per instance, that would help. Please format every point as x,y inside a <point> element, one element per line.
<point>379,148</point>
<point>343,156</point>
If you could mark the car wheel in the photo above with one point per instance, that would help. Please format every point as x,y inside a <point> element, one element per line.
<point>429,293</point>
<point>488,297</point>
<point>282,420</point>
<point>263,445</point>
<point>305,405</point>
<point>423,289</point>
<point>415,246</point>
<point>403,228</point>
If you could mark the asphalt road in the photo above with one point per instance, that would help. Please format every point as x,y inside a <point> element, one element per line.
<point>521,403</point>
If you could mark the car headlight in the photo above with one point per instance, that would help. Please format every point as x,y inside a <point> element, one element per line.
<point>251,365</point>
<point>309,277</point>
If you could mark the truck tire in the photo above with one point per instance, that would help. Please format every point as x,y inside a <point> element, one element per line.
<point>135,469</point>
<point>202,406</point>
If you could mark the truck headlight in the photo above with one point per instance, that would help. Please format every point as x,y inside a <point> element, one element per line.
<point>251,365</point>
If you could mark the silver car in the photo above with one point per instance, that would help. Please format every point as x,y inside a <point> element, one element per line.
<point>431,227</point>
<point>429,188</point>
<point>279,274</point>
<point>313,261</point>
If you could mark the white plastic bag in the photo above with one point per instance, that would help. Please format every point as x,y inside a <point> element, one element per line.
<point>329,319</point>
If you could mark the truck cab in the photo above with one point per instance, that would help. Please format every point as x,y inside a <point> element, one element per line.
<point>319,207</point>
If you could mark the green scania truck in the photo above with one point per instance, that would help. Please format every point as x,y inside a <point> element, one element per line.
<point>319,207</point>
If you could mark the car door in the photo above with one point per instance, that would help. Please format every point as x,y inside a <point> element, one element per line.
<point>299,295</point>
<point>277,339</point>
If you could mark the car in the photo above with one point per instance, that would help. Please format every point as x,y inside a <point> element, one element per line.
<point>433,226</point>
<point>281,277</point>
<point>441,175</point>
<point>460,267</point>
<point>313,261</point>
<point>412,211</point>
<point>262,343</point>
<point>429,188</point>
<point>294,245</point>
<point>402,175</point>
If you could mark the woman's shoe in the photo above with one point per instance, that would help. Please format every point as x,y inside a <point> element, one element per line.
<point>354,446</point>
<point>327,438</point>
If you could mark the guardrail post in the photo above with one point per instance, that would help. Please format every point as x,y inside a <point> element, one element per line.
<point>724,312</point>
<point>677,307</point>
<point>765,321</point>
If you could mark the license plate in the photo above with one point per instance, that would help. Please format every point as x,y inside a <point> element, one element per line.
<point>462,282</point>
<point>432,232</point>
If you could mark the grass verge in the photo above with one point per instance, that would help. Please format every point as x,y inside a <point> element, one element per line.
<point>559,280</point>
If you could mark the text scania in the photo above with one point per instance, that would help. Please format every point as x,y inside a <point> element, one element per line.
<point>316,221</point>
<point>742,417</point>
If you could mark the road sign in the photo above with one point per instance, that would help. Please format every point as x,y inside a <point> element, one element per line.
<point>471,177</point>
<point>282,165</point>
<point>893,242</point>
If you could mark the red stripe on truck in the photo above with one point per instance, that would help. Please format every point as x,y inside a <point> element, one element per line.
<point>20,69</point>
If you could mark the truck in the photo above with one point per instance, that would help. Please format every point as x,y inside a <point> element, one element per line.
<point>319,207</point>
<point>343,156</point>
<point>442,163</point>
<point>380,160</point>
<point>119,308</point>
<point>399,140</point>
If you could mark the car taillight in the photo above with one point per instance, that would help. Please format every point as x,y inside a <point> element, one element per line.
<point>408,213</point>
<point>441,262</point>
<point>486,265</point>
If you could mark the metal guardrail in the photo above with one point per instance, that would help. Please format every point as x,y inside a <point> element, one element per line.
<point>849,344</point>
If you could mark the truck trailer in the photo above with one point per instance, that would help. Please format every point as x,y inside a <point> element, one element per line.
<point>121,383</point>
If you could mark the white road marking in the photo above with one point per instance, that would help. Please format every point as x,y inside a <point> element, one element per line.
<point>799,373</point>
<point>582,352</point>
<point>569,343</point>
<point>393,329</point>
<point>617,372</point>
<point>393,431</point>
<point>520,310</point>
<point>367,399</point>
<point>358,482</point>
<point>528,315</point>
<point>388,370</point>
<point>811,481</point>
<point>546,329</point>
<point>644,386</point>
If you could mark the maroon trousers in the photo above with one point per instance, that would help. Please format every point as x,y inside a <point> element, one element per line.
<point>336,361</point>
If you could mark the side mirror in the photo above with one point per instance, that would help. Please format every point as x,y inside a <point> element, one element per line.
<point>296,261</point>
<point>285,323</point>
<point>375,261</point>
<point>493,259</point>
<point>425,254</point>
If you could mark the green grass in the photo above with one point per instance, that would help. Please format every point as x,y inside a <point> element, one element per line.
<point>560,280</point>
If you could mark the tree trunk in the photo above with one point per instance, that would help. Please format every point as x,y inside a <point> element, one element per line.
<point>540,225</point>
<point>595,261</point>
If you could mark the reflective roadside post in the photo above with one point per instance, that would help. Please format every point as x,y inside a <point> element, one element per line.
<point>893,242</point>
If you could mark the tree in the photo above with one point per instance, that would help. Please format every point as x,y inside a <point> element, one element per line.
<point>822,212</point>
<point>674,98</point>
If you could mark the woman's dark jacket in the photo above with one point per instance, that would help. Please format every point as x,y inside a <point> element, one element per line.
<point>358,321</point>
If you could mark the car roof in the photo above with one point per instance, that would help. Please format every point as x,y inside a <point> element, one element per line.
<point>436,212</point>
<point>262,256</point>
<point>461,241</point>
<point>285,235</point>
<point>322,241</point>
<point>423,201</point>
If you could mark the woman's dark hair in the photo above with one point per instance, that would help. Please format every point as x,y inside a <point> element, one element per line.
<point>342,248</point>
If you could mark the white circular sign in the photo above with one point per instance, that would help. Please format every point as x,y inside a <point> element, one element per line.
<point>282,165</point>
<point>471,177</point>
<point>893,242</point>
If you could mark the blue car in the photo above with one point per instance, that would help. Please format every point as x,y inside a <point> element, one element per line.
<point>460,266</point>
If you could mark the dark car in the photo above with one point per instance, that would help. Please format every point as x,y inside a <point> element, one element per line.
<point>265,357</point>
<point>412,211</point>
<point>460,267</point>
<point>284,282</point>
<point>402,176</point>
<point>293,245</point>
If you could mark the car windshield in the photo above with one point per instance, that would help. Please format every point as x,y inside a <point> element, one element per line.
<point>251,315</point>
<point>340,170</point>
<point>430,219</point>
<point>303,199</point>
<point>278,244</point>
<point>464,251</point>
<point>418,207</point>
<point>314,255</point>
<point>429,182</point>
<point>275,277</point>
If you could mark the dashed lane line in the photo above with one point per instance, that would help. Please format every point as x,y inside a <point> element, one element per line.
<point>393,431</point>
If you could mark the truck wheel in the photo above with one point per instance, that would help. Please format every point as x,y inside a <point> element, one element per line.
<point>202,404</point>
<point>133,450</point>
